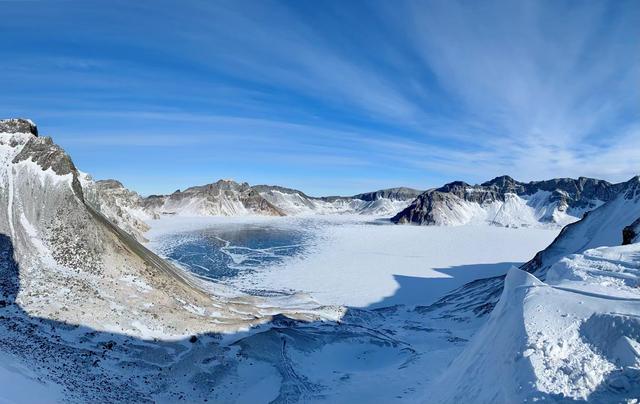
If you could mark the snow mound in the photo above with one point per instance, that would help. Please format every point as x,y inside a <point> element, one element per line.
<point>574,337</point>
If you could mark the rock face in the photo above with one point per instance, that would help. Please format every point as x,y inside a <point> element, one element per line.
<point>384,202</point>
<point>394,194</point>
<point>120,205</point>
<point>222,198</point>
<point>18,126</point>
<point>230,198</point>
<point>507,202</point>
<point>631,233</point>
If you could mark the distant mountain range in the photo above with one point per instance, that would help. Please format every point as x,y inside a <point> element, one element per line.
<point>504,201</point>
<point>229,198</point>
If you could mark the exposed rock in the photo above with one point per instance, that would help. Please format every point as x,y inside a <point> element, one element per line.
<point>631,233</point>
<point>223,197</point>
<point>73,265</point>
<point>395,194</point>
<point>120,205</point>
<point>18,125</point>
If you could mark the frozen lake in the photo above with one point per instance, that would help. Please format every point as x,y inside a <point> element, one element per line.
<point>344,260</point>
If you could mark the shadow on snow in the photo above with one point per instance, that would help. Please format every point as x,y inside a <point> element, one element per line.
<point>113,367</point>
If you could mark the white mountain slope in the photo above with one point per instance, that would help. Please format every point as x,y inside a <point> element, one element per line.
<point>295,204</point>
<point>120,205</point>
<point>87,314</point>
<point>228,198</point>
<point>506,202</point>
<point>601,227</point>
<point>574,336</point>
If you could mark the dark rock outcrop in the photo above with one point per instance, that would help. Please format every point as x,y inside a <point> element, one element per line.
<point>631,233</point>
<point>396,194</point>
<point>48,155</point>
<point>608,225</point>
<point>18,125</point>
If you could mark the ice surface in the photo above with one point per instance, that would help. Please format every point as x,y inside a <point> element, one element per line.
<point>361,261</point>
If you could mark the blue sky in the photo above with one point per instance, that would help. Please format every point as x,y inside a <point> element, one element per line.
<point>331,97</point>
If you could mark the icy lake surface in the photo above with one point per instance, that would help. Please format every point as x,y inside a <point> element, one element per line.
<point>344,260</point>
<point>224,251</point>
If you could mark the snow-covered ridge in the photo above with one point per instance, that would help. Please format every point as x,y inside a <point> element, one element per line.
<point>506,202</point>
<point>604,226</point>
<point>569,329</point>
<point>575,336</point>
<point>18,125</point>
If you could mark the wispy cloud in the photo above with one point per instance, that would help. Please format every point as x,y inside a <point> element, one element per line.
<point>423,90</point>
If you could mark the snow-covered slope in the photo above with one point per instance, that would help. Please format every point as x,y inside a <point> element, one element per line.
<point>506,202</point>
<point>569,329</point>
<point>120,205</point>
<point>574,337</point>
<point>601,227</point>
<point>222,198</point>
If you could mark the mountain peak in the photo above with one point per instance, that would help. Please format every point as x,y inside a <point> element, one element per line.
<point>501,181</point>
<point>18,125</point>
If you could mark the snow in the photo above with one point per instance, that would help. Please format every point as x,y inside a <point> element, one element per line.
<point>535,210</point>
<point>601,227</point>
<point>19,385</point>
<point>560,339</point>
<point>361,261</point>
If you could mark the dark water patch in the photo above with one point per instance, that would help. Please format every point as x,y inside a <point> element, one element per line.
<point>226,251</point>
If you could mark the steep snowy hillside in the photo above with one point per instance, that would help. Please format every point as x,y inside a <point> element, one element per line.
<point>506,202</point>
<point>601,227</point>
<point>222,198</point>
<point>385,202</point>
<point>569,331</point>
<point>76,266</point>
<point>575,336</point>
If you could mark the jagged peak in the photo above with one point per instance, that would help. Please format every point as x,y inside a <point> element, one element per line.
<point>111,183</point>
<point>452,185</point>
<point>501,180</point>
<point>18,125</point>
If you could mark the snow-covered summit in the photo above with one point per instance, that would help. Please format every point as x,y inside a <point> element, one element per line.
<point>230,198</point>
